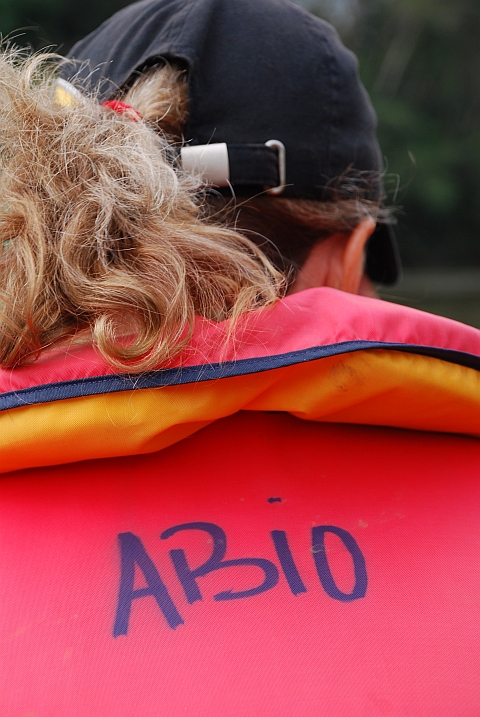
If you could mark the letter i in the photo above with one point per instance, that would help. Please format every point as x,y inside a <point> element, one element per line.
<point>287,562</point>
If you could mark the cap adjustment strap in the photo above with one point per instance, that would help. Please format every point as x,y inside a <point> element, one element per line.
<point>222,165</point>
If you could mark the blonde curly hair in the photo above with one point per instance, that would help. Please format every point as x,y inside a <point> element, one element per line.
<point>100,236</point>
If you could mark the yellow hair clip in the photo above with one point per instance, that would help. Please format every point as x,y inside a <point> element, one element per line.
<point>66,95</point>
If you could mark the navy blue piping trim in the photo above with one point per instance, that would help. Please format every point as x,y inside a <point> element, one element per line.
<point>96,385</point>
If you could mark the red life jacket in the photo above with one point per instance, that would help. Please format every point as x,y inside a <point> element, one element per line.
<point>312,550</point>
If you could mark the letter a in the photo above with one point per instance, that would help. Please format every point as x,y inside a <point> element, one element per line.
<point>132,552</point>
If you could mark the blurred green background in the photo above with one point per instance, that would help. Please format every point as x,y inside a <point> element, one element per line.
<point>420,62</point>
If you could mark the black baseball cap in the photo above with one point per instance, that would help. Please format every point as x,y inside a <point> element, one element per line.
<point>258,70</point>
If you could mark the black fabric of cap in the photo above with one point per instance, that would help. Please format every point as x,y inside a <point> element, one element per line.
<point>383,263</point>
<point>257,70</point>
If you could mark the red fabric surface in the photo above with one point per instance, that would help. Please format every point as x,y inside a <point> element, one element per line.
<point>411,501</point>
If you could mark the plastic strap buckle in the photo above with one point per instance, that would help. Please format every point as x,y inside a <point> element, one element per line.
<point>282,165</point>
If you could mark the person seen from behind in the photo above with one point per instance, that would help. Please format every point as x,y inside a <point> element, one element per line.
<point>181,168</point>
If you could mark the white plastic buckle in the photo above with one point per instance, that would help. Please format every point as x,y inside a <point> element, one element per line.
<point>282,165</point>
<point>207,161</point>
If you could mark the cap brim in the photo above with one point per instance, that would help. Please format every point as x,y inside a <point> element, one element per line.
<point>383,264</point>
